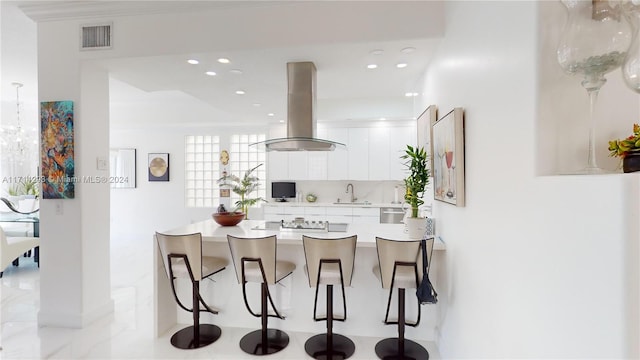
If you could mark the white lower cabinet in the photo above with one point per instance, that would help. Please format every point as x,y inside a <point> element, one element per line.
<point>280,212</point>
<point>365,215</point>
<point>315,213</point>
<point>333,214</point>
<point>339,214</point>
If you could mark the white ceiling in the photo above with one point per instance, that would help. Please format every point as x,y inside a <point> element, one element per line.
<point>346,89</point>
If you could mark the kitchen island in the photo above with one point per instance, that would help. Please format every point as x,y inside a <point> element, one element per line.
<point>366,300</point>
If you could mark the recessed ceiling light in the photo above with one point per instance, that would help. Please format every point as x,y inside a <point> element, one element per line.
<point>376,52</point>
<point>193,61</point>
<point>223,61</point>
<point>411,94</point>
<point>257,104</point>
<point>382,118</point>
<point>240,92</point>
<point>236,71</point>
<point>372,66</point>
<point>270,114</point>
<point>401,65</point>
<point>211,73</point>
<point>281,121</point>
<point>408,50</point>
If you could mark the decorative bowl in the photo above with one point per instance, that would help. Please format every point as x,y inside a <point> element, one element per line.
<point>311,198</point>
<point>228,218</point>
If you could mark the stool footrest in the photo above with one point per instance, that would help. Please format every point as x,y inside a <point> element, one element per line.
<point>334,318</point>
<point>395,322</point>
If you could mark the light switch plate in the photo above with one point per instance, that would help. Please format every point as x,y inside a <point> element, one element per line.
<point>59,208</point>
<point>102,163</point>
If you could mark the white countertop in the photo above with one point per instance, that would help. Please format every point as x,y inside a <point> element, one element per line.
<point>328,204</point>
<point>367,233</point>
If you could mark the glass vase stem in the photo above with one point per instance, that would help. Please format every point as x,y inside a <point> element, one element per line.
<point>591,161</point>
<point>592,83</point>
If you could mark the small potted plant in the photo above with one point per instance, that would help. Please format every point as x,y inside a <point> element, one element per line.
<point>416,182</point>
<point>628,150</point>
<point>243,187</point>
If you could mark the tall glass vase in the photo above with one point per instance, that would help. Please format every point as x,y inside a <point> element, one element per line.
<point>631,64</point>
<point>594,42</point>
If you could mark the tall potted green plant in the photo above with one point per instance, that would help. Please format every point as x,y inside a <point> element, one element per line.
<point>416,182</point>
<point>243,187</point>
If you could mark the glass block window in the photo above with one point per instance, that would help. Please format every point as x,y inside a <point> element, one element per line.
<point>244,158</point>
<point>202,170</point>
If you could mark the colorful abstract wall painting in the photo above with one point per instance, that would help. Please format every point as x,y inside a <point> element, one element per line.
<point>56,156</point>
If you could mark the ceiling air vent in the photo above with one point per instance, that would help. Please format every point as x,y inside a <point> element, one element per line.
<point>95,37</point>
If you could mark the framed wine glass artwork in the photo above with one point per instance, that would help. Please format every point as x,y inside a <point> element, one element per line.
<point>447,160</point>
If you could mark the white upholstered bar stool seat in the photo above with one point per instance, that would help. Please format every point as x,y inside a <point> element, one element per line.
<point>329,262</point>
<point>255,260</point>
<point>400,267</point>
<point>182,258</point>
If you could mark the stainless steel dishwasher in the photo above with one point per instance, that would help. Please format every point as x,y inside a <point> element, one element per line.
<point>391,215</point>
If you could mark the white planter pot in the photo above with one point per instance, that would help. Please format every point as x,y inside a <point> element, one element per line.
<point>416,227</point>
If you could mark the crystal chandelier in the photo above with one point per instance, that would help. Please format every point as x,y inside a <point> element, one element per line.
<point>17,143</point>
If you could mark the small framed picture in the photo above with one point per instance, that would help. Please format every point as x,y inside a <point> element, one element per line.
<point>158,166</point>
<point>424,122</point>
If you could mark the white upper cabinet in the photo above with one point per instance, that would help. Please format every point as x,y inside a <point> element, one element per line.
<point>317,165</point>
<point>379,140</point>
<point>277,162</point>
<point>278,165</point>
<point>358,154</point>
<point>337,161</point>
<point>298,165</point>
<point>373,153</point>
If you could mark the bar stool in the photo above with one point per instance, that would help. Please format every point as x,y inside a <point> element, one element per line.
<point>182,258</point>
<point>255,261</point>
<point>329,262</point>
<point>400,267</point>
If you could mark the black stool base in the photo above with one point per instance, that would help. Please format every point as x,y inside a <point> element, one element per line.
<point>387,349</point>
<point>318,348</point>
<point>252,342</point>
<point>184,339</point>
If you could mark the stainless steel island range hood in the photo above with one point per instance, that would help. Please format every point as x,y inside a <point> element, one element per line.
<point>301,116</point>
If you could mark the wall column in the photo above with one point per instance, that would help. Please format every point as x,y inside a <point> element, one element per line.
<point>75,287</point>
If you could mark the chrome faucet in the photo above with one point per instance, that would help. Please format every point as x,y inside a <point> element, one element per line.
<point>353,198</point>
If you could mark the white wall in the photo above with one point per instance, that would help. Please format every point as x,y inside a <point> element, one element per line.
<point>18,63</point>
<point>537,267</point>
<point>158,206</point>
